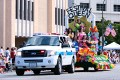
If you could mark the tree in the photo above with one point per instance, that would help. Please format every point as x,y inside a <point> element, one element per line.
<point>110,38</point>
<point>83,19</point>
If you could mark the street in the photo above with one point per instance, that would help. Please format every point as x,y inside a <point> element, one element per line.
<point>78,75</point>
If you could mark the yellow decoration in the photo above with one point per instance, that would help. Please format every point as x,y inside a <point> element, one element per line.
<point>112,65</point>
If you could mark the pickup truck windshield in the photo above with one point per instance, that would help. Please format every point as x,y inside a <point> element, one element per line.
<point>43,40</point>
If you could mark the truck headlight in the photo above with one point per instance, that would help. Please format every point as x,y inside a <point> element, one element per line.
<point>18,54</point>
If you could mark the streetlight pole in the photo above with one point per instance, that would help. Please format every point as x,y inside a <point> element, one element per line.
<point>102,26</point>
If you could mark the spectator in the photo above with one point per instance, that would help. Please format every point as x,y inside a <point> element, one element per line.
<point>12,55</point>
<point>7,56</point>
<point>2,63</point>
<point>113,53</point>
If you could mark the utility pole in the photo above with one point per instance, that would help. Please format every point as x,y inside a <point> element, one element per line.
<point>102,26</point>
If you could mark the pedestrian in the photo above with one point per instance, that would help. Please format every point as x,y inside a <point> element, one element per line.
<point>2,63</point>
<point>12,55</point>
<point>7,56</point>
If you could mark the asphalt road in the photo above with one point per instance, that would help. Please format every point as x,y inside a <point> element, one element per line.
<point>79,74</point>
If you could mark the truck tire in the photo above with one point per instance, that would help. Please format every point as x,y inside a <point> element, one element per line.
<point>20,72</point>
<point>36,72</point>
<point>95,68</point>
<point>58,67</point>
<point>85,68</point>
<point>71,67</point>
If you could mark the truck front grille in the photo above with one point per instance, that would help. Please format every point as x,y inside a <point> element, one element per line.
<point>34,53</point>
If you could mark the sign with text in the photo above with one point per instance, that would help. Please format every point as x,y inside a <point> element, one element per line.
<point>78,11</point>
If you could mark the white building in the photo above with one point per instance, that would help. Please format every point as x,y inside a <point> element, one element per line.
<point>111,8</point>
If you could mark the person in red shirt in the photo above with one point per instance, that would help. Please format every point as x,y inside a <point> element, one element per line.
<point>12,55</point>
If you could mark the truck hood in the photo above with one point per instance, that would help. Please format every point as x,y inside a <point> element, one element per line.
<point>39,48</point>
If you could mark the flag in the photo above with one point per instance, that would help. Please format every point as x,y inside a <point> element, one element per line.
<point>109,30</point>
<point>113,33</point>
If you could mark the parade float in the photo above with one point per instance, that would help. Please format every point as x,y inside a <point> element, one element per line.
<point>87,56</point>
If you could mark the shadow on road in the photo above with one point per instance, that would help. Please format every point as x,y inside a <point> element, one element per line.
<point>91,71</point>
<point>43,73</point>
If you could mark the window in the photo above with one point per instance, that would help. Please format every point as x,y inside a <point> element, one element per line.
<point>117,8</point>
<point>32,11</point>
<point>98,22</point>
<point>116,22</point>
<point>84,5</point>
<point>43,40</point>
<point>21,9</point>
<point>64,42</point>
<point>64,17</point>
<point>59,16</point>
<point>28,10</point>
<point>56,16</point>
<point>16,9</point>
<point>101,7</point>
<point>24,11</point>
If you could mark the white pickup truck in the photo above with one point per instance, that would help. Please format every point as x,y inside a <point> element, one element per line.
<point>46,52</point>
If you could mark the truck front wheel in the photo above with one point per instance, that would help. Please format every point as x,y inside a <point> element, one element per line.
<point>58,67</point>
<point>71,67</point>
<point>20,72</point>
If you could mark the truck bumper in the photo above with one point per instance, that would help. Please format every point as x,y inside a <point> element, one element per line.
<point>36,63</point>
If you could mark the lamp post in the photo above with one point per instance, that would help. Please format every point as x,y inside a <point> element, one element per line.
<point>102,26</point>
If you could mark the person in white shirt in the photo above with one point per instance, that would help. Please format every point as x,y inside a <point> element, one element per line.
<point>113,53</point>
<point>7,56</point>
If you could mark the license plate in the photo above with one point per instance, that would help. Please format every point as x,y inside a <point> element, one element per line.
<point>33,65</point>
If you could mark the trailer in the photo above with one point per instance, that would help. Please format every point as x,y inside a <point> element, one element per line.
<point>87,58</point>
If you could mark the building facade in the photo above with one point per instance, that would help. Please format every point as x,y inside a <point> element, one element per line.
<point>20,19</point>
<point>111,8</point>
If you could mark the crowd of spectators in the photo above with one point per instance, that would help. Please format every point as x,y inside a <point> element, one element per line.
<point>7,58</point>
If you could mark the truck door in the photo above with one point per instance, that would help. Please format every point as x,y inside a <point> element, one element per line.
<point>67,52</point>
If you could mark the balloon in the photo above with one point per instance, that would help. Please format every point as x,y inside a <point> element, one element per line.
<point>94,29</point>
<point>89,34</point>
<point>77,26</point>
<point>112,66</point>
